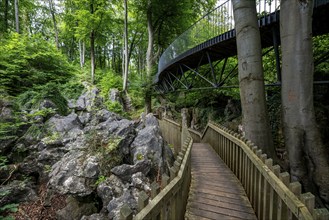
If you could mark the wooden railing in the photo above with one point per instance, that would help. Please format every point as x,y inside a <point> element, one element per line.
<point>169,199</point>
<point>270,192</point>
<point>172,132</point>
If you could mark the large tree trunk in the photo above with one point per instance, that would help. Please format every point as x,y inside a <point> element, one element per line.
<point>251,79</point>
<point>52,11</point>
<point>126,58</point>
<point>92,55</point>
<point>92,47</point>
<point>17,15</point>
<point>5,18</point>
<point>307,156</point>
<point>149,56</point>
<point>82,50</point>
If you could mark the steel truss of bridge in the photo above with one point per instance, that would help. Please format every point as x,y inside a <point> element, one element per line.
<point>206,65</point>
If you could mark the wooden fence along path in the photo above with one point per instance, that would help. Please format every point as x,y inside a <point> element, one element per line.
<point>226,171</point>
<point>215,192</point>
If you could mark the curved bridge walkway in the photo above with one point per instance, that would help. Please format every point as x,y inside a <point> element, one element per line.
<point>215,191</point>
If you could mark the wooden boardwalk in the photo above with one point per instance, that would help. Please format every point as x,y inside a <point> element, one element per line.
<point>215,191</point>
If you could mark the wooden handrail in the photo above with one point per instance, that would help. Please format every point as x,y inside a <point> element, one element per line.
<point>269,191</point>
<point>170,202</point>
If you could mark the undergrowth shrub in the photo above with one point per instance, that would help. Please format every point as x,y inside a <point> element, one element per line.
<point>30,61</point>
<point>32,99</point>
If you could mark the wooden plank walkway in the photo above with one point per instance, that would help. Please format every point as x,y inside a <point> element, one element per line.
<point>215,191</point>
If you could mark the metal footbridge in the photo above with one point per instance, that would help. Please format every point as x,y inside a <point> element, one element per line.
<point>212,41</point>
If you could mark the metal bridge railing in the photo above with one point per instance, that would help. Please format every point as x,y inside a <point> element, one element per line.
<point>215,23</point>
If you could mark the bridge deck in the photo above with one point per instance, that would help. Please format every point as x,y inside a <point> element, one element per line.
<point>215,192</point>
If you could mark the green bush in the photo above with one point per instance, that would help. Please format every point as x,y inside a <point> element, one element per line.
<point>72,89</point>
<point>32,99</point>
<point>28,62</point>
<point>109,80</point>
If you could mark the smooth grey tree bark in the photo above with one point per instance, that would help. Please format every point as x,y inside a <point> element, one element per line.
<point>52,12</point>
<point>149,55</point>
<point>309,160</point>
<point>251,79</point>
<point>126,58</point>
<point>82,51</point>
<point>17,15</point>
<point>5,17</point>
<point>92,47</point>
<point>92,55</point>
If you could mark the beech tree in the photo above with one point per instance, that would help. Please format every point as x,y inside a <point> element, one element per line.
<point>165,20</point>
<point>251,78</point>
<point>126,59</point>
<point>309,161</point>
<point>53,16</point>
<point>17,15</point>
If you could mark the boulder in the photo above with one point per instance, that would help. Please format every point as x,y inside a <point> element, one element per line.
<point>6,112</point>
<point>63,124</point>
<point>75,174</point>
<point>125,171</point>
<point>140,181</point>
<point>116,204</point>
<point>111,188</point>
<point>114,96</point>
<point>89,100</point>
<point>85,117</point>
<point>151,120</point>
<point>47,104</point>
<point>16,192</point>
<point>75,209</point>
<point>150,144</point>
<point>97,216</point>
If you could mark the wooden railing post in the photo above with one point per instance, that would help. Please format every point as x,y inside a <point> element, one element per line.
<point>126,213</point>
<point>143,200</point>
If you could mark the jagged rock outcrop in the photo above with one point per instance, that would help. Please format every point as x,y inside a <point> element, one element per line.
<point>75,209</point>
<point>126,171</point>
<point>116,204</point>
<point>150,145</point>
<point>91,155</point>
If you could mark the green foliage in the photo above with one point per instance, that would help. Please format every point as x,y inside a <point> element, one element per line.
<point>108,151</point>
<point>8,130</point>
<point>9,208</point>
<point>321,64</point>
<point>109,80</point>
<point>100,180</point>
<point>72,89</point>
<point>32,99</point>
<point>139,156</point>
<point>29,62</point>
<point>137,90</point>
<point>3,162</point>
<point>115,107</point>
<point>45,113</point>
<point>35,131</point>
<point>47,168</point>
